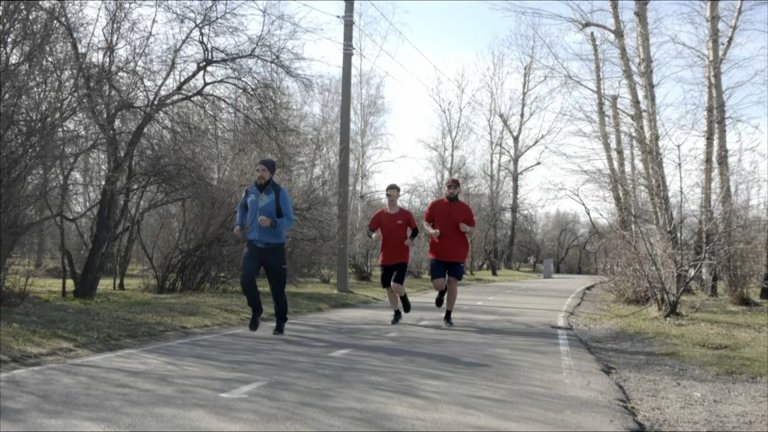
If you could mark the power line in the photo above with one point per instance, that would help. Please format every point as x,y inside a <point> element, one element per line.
<point>294,24</point>
<point>318,10</point>
<point>408,40</point>
<point>378,45</point>
<point>372,63</point>
<point>470,101</point>
<point>391,57</point>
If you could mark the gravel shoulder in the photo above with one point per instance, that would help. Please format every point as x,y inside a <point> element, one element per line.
<point>664,393</point>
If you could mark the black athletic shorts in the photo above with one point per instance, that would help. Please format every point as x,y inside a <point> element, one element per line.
<point>393,273</point>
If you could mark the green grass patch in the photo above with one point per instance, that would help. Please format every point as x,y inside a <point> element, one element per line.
<point>710,332</point>
<point>48,327</point>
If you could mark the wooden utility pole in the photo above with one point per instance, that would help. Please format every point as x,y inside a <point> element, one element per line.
<point>342,236</point>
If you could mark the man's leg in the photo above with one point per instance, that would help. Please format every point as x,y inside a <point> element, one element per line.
<point>392,297</point>
<point>437,271</point>
<point>386,282</point>
<point>439,286</point>
<point>275,268</point>
<point>453,293</point>
<point>455,274</point>
<point>398,286</point>
<point>249,270</point>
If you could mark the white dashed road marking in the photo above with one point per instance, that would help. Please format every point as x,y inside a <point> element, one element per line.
<point>240,392</point>
<point>339,352</point>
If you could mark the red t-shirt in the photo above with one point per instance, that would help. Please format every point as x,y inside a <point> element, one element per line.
<point>394,232</point>
<point>452,245</point>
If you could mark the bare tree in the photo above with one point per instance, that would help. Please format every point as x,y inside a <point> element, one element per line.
<point>535,124</point>
<point>494,86</point>
<point>453,105</point>
<point>560,236</point>
<point>143,66</point>
<point>734,281</point>
<point>37,97</point>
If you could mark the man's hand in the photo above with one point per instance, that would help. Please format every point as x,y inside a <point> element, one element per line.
<point>239,232</point>
<point>434,233</point>
<point>464,227</point>
<point>265,221</point>
<point>409,242</point>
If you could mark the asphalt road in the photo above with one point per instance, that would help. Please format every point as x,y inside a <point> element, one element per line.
<point>508,364</point>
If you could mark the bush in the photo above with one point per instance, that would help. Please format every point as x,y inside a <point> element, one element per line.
<point>626,271</point>
<point>14,291</point>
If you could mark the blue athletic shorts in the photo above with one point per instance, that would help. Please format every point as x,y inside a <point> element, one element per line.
<point>439,269</point>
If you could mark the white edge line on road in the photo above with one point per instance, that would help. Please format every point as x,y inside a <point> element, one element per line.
<point>423,322</point>
<point>339,353</point>
<point>391,334</point>
<point>115,353</point>
<point>240,392</point>
<point>562,336</point>
<point>565,352</point>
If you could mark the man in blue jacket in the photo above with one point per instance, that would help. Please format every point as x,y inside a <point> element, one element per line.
<point>263,217</point>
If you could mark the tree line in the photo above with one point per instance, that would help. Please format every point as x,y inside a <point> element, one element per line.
<point>130,129</point>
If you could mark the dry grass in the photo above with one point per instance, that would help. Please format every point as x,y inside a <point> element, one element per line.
<point>710,332</point>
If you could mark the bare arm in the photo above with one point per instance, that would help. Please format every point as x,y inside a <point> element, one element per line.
<point>431,231</point>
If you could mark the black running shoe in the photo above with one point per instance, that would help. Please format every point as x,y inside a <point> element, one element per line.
<point>279,329</point>
<point>396,319</point>
<point>440,298</point>
<point>447,322</point>
<point>253,325</point>
<point>406,303</point>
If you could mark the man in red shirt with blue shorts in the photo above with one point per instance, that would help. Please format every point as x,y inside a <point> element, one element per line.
<point>448,221</point>
<point>393,223</point>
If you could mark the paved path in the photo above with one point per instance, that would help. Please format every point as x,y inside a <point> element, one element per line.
<point>505,366</point>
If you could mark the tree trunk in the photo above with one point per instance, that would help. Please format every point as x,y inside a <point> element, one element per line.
<point>666,214</point>
<point>125,257</point>
<point>626,209</point>
<point>513,213</point>
<point>705,235</point>
<point>730,268</point>
<point>637,110</point>
<point>100,241</point>
<point>613,181</point>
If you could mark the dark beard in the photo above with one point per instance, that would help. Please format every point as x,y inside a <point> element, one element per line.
<point>261,186</point>
<point>453,198</point>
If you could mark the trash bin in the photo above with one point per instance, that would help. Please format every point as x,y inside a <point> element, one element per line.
<point>549,268</point>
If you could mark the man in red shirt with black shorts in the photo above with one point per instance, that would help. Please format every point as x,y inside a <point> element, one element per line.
<point>448,222</point>
<point>393,223</point>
